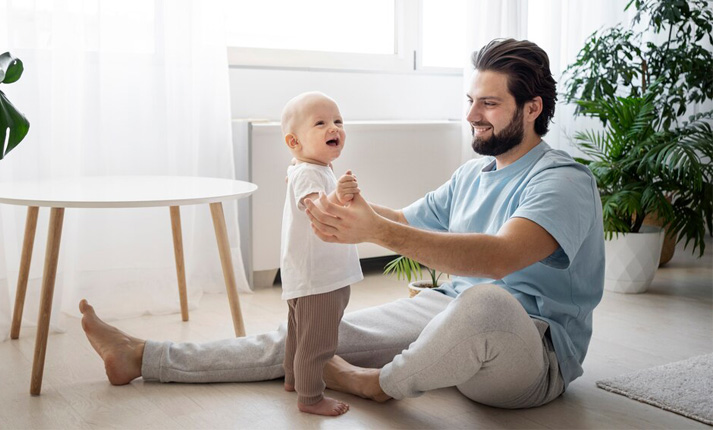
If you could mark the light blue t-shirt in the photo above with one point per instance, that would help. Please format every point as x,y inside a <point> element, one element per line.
<point>549,188</point>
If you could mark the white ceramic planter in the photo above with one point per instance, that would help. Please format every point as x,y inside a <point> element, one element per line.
<point>632,260</point>
<point>416,287</point>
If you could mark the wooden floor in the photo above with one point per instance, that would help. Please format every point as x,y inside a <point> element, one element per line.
<point>671,322</point>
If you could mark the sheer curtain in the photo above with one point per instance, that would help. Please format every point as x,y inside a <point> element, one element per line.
<point>560,27</point>
<point>118,87</point>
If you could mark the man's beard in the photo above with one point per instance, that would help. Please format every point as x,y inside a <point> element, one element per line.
<point>502,142</point>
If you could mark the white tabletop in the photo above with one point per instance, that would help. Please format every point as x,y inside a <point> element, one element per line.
<point>123,191</point>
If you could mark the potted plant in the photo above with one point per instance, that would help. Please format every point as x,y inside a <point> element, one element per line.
<point>623,62</point>
<point>13,124</point>
<point>641,169</point>
<point>650,160</point>
<point>409,269</point>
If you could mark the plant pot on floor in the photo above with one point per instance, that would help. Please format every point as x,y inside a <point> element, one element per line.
<point>669,242</point>
<point>416,287</point>
<point>632,260</point>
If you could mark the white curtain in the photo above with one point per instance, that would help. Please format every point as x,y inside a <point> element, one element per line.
<point>118,87</point>
<point>560,27</point>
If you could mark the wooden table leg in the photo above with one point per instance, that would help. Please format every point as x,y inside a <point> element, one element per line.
<point>50,272</point>
<point>180,265</point>
<point>221,234</point>
<point>27,245</point>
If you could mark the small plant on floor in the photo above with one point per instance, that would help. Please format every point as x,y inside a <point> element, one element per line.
<point>408,269</point>
<point>13,124</point>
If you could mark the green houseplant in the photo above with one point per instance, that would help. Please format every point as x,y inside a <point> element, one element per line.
<point>13,124</point>
<point>650,158</point>
<point>408,269</point>
<point>641,168</point>
<point>620,61</point>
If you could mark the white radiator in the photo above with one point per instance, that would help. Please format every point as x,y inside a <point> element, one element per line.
<point>395,164</point>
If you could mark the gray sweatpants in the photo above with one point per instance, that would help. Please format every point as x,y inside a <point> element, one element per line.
<point>483,343</point>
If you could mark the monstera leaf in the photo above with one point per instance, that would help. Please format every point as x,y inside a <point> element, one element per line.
<point>13,124</point>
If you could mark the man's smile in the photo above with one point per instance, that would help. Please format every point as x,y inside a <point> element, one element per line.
<point>481,129</point>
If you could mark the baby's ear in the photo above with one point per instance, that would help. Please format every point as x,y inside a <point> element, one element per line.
<point>291,141</point>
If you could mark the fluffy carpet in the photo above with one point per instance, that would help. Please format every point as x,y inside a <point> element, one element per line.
<point>684,387</point>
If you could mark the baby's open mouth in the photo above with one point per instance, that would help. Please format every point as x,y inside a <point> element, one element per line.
<point>333,142</point>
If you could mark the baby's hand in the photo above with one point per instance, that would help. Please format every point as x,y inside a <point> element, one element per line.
<point>347,188</point>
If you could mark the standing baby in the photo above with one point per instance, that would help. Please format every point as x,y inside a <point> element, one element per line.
<point>316,275</point>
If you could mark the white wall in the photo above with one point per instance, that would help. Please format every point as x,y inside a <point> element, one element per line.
<point>261,93</point>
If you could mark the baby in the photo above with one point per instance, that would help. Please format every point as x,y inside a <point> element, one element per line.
<point>316,275</point>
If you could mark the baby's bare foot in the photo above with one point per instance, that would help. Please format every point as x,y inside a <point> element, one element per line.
<point>289,387</point>
<point>327,406</point>
<point>120,352</point>
<point>347,378</point>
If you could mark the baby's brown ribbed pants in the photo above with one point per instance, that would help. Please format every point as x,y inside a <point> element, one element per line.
<point>312,338</point>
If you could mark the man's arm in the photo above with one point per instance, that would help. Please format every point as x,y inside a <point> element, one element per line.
<point>390,214</point>
<point>518,244</point>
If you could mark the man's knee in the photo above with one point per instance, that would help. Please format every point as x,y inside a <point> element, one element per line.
<point>487,295</point>
<point>486,305</point>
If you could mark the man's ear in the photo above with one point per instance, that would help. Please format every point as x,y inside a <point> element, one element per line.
<point>291,141</point>
<point>533,108</point>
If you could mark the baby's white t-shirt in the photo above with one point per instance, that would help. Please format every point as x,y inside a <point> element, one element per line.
<point>309,265</point>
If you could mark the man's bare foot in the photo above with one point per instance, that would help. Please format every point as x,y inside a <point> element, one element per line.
<point>120,352</point>
<point>347,378</point>
<point>327,406</point>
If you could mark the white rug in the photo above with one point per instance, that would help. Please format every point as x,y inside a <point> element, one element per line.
<point>684,387</point>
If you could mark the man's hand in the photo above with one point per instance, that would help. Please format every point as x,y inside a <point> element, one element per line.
<point>353,224</point>
<point>347,188</point>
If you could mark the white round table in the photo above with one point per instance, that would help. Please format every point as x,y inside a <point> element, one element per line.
<point>116,192</point>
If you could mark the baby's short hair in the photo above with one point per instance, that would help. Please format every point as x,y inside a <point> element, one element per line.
<point>291,111</point>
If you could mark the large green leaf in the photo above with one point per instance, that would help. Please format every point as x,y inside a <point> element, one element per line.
<point>13,121</point>
<point>13,124</point>
<point>10,68</point>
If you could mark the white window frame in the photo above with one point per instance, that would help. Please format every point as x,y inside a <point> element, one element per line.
<point>406,59</point>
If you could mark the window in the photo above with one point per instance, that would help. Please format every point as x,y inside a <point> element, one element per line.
<point>364,26</point>
<point>443,38</point>
<point>319,34</point>
<point>375,35</point>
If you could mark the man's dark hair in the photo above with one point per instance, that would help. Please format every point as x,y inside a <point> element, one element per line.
<point>528,70</point>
